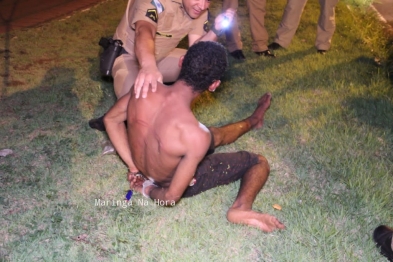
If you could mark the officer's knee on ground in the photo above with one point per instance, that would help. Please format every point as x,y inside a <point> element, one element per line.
<point>106,120</point>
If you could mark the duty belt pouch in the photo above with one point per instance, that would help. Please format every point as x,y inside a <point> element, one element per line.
<point>112,49</point>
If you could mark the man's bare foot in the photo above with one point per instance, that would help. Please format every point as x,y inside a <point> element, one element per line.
<point>256,119</point>
<point>264,222</point>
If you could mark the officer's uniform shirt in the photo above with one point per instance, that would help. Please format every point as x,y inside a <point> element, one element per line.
<point>170,19</point>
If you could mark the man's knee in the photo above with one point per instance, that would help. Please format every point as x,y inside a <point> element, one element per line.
<point>262,161</point>
<point>122,81</point>
<point>124,73</point>
<point>105,120</point>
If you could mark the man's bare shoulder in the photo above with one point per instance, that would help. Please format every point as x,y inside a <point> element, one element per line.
<point>195,136</point>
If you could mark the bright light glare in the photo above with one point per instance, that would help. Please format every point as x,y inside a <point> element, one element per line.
<point>225,23</point>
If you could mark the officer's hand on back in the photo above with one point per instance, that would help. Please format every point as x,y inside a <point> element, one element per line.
<point>147,76</point>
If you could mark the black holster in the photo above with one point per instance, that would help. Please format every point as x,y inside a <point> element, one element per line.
<point>112,49</point>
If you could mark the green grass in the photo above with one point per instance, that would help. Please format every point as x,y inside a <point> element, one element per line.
<point>327,136</point>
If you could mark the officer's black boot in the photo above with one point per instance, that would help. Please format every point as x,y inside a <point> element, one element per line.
<point>97,123</point>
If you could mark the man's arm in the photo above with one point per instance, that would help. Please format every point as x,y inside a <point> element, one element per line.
<point>144,50</point>
<point>211,36</point>
<point>197,144</point>
<point>117,132</point>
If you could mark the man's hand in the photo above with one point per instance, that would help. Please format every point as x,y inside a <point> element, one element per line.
<point>147,76</point>
<point>226,15</point>
<point>218,26</point>
<point>136,181</point>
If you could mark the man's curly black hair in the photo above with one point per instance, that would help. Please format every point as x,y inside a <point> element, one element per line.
<point>203,63</point>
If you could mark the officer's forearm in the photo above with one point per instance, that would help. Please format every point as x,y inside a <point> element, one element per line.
<point>144,48</point>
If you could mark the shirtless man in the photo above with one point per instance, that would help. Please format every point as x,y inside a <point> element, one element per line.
<point>166,143</point>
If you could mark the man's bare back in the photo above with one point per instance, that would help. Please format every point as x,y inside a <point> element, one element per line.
<point>156,126</point>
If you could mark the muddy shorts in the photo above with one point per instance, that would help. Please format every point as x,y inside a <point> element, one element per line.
<point>220,169</point>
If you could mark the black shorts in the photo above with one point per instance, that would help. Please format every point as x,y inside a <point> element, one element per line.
<point>221,169</point>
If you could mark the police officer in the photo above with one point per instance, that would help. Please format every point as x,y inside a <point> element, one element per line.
<point>290,22</point>
<point>150,31</point>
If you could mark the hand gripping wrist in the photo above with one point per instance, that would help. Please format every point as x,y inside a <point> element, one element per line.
<point>147,183</point>
<point>215,31</point>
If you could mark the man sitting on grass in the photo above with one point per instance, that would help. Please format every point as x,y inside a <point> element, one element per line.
<point>164,141</point>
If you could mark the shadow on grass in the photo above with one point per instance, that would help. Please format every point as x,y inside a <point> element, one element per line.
<point>281,58</point>
<point>44,128</point>
<point>377,112</point>
<point>39,125</point>
<point>335,76</point>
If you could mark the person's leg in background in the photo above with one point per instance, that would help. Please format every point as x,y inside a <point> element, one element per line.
<point>260,37</point>
<point>289,24</point>
<point>326,25</point>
